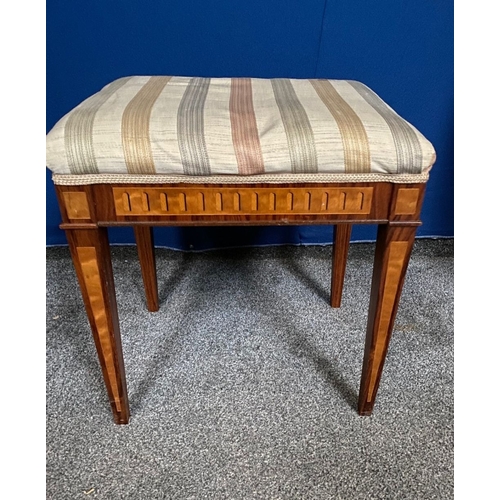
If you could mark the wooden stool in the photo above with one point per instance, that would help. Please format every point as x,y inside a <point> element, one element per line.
<point>174,151</point>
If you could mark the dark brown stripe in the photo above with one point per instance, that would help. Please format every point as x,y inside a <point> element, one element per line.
<point>408,148</point>
<point>352,131</point>
<point>298,130</point>
<point>191,128</point>
<point>78,139</point>
<point>135,127</point>
<point>244,128</point>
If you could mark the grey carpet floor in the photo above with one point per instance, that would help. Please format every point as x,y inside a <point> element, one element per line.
<point>244,384</point>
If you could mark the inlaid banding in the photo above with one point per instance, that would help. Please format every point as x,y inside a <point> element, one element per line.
<point>272,202</point>
<point>324,201</point>
<point>182,202</point>
<point>237,202</point>
<point>396,259</point>
<point>161,201</point>
<point>201,201</point>
<point>126,202</point>
<point>218,202</point>
<point>307,201</point>
<point>87,257</point>
<point>343,200</point>
<point>145,202</point>
<point>255,202</point>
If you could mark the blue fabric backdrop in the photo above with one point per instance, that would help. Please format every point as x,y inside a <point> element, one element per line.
<point>402,49</point>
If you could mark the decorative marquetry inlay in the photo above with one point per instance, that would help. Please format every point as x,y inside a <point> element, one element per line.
<point>396,260</point>
<point>91,275</point>
<point>406,201</point>
<point>77,206</point>
<point>239,201</point>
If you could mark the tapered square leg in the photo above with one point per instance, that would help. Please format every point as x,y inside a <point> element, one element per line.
<point>392,253</point>
<point>146,251</point>
<point>339,261</point>
<point>92,260</point>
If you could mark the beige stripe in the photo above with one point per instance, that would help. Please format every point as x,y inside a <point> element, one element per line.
<point>191,128</point>
<point>163,132</point>
<point>408,149</point>
<point>107,133</point>
<point>79,128</point>
<point>217,128</point>
<point>135,127</point>
<point>327,137</point>
<point>354,138</point>
<point>382,152</point>
<point>299,133</point>
<point>244,128</point>
<point>272,136</point>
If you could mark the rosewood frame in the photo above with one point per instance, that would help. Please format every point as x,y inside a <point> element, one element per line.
<point>88,210</point>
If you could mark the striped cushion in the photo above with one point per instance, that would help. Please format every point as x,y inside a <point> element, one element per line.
<point>179,126</point>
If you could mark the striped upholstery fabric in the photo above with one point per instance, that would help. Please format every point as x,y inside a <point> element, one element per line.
<point>212,127</point>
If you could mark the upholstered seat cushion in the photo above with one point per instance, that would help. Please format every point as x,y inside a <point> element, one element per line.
<point>180,126</point>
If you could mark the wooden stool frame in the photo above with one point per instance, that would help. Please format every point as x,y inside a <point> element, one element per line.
<point>88,210</point>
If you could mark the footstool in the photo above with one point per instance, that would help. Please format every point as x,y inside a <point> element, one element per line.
<point>151,151</point>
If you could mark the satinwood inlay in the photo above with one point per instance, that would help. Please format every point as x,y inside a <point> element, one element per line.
<point>88,261</point>
<point>77,206</point>
<point>406,201</point>
<point>397,254</point>
<point>234,201</point>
